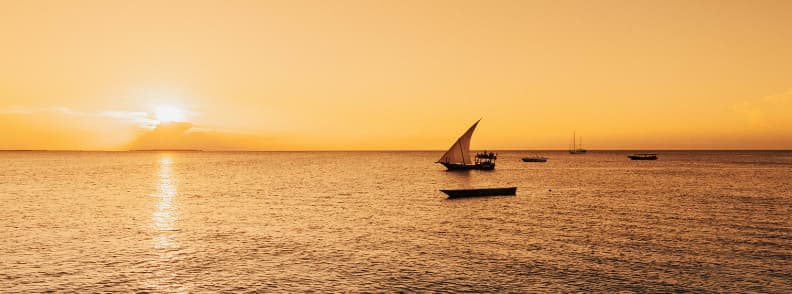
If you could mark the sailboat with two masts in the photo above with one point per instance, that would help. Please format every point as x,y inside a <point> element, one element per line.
<point>458,156</point>
<point>574,148</point>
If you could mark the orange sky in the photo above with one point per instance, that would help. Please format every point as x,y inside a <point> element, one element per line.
<point>319,75</point>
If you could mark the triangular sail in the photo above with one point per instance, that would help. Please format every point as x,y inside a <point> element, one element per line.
<point>460,151</point>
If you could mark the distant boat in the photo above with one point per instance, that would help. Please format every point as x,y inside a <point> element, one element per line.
<point>460,193</point>
<point>535,158</point>
<point>643,156</point>
<point>574,148</point>
<point>458,156</point>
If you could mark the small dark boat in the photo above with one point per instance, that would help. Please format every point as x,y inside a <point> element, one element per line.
<point>460,193</point>
<point>643,156</point>
<point>534,159</point>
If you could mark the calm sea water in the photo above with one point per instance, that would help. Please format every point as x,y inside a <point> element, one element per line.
<point>367,221</point>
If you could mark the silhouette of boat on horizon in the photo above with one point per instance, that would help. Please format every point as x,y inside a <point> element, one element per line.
<point>574,148</point>
<point>643,156</point>
<point>458,156</point>
<point>480,192</point>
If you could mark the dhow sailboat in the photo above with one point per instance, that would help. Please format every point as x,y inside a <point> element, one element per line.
<point>458,156</point>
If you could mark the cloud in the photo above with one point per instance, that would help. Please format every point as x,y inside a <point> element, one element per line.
<point>185,135</point>
<point>15,110</point>
<point>139,118</point>
<point>61,127</point>
<point>781,99</point>
<point>68,111</point>
<point>767,112</point>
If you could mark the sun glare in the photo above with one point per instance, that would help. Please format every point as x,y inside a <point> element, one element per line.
<point>169,114</point>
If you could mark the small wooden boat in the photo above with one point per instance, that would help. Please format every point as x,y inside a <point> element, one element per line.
<point>460,193</point>
<point>536,158</point>
<point>643,156</point>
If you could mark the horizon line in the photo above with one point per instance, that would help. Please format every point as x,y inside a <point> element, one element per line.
<point>380,150</point>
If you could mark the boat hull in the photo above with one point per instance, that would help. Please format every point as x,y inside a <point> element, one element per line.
<point>463,193</point>
<point>532,159</point>
<point>579,151</point>
<point>633,157</point>
<point>480,166</point>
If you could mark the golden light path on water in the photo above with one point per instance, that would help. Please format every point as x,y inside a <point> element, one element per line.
<point>164,215</point>
<point>163,220</point>
<point>329,222</point>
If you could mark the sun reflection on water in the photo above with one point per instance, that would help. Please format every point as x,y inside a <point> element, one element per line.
<point>164,216</point>
<point>163,224</point>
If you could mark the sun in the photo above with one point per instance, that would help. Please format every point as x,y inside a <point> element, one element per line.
<point>166,114</point>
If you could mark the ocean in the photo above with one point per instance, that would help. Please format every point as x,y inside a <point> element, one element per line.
<point>692,221</point>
